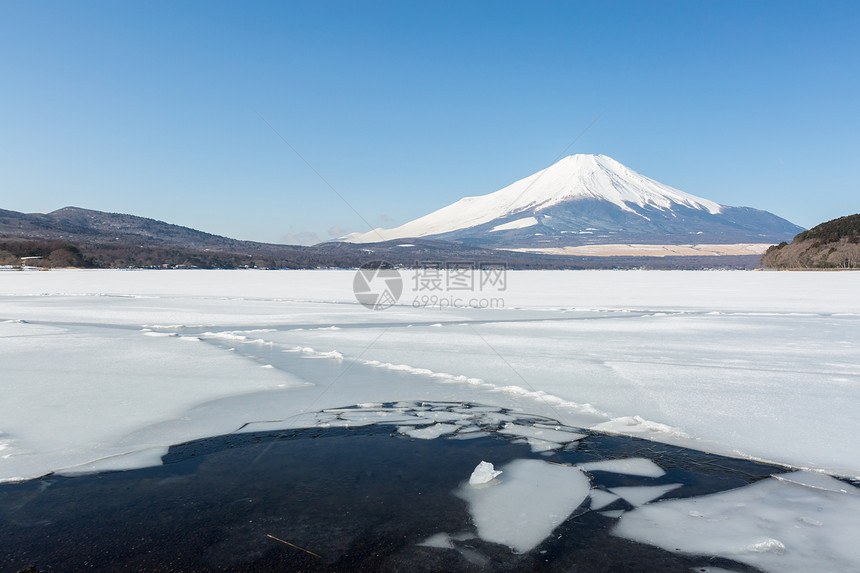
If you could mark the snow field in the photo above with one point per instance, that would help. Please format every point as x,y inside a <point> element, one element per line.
<point>762,365</point>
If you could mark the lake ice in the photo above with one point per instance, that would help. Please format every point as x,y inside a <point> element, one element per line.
<point>106,369</point>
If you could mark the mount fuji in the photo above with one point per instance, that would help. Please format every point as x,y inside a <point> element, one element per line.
<point>588,200</point>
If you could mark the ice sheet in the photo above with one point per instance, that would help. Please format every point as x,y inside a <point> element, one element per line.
<point>761,365</point>
<point>721,291</point>
<point>71,396</point>
<point>532,498</point>
<point>777,525</point>
<point>687,378</point>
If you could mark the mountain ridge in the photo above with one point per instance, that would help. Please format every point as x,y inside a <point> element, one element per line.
<point>91,225</point>
<point>588,199</point>
<point>85,238</point>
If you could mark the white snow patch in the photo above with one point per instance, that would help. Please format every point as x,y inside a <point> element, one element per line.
<point>312,353</point>
<point>518,224</point>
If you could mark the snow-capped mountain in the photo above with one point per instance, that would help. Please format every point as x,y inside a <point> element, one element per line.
<point>588,199</point>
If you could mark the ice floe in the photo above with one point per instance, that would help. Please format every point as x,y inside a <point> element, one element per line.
<point>601,498</point>
<point>439,540</point>
<point>640,495</point>
<point>613,513</point>
<point>545,434</point>
<point>630,466</point>
<point>429,432</point>
<point>783,524</point>
<point>534,498</point>
<point>483,474</point>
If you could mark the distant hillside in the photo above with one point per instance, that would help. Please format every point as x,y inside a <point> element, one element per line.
<point>831,245</point>
<point>82,238</point>
<point>85,238</point>
<point>85,226</point>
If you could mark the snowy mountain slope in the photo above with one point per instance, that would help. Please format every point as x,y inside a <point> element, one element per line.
<point>585,199</point>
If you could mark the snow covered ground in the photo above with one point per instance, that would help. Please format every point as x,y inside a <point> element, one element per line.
<point>106,369</point>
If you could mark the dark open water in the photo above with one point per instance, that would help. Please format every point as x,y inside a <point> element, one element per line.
<point>360,499</point>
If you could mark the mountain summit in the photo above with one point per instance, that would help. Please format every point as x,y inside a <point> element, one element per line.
<point>588,199</point>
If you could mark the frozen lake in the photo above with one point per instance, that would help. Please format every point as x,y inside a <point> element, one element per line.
<point>107,369</point>
<point>372,497</point>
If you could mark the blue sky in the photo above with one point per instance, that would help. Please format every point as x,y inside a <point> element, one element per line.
<point>151,108</point>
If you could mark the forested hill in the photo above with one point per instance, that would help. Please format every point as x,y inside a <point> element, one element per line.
<point>831,245</point>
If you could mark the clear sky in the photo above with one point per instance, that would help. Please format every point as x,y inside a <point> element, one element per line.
<point>151,108</point>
